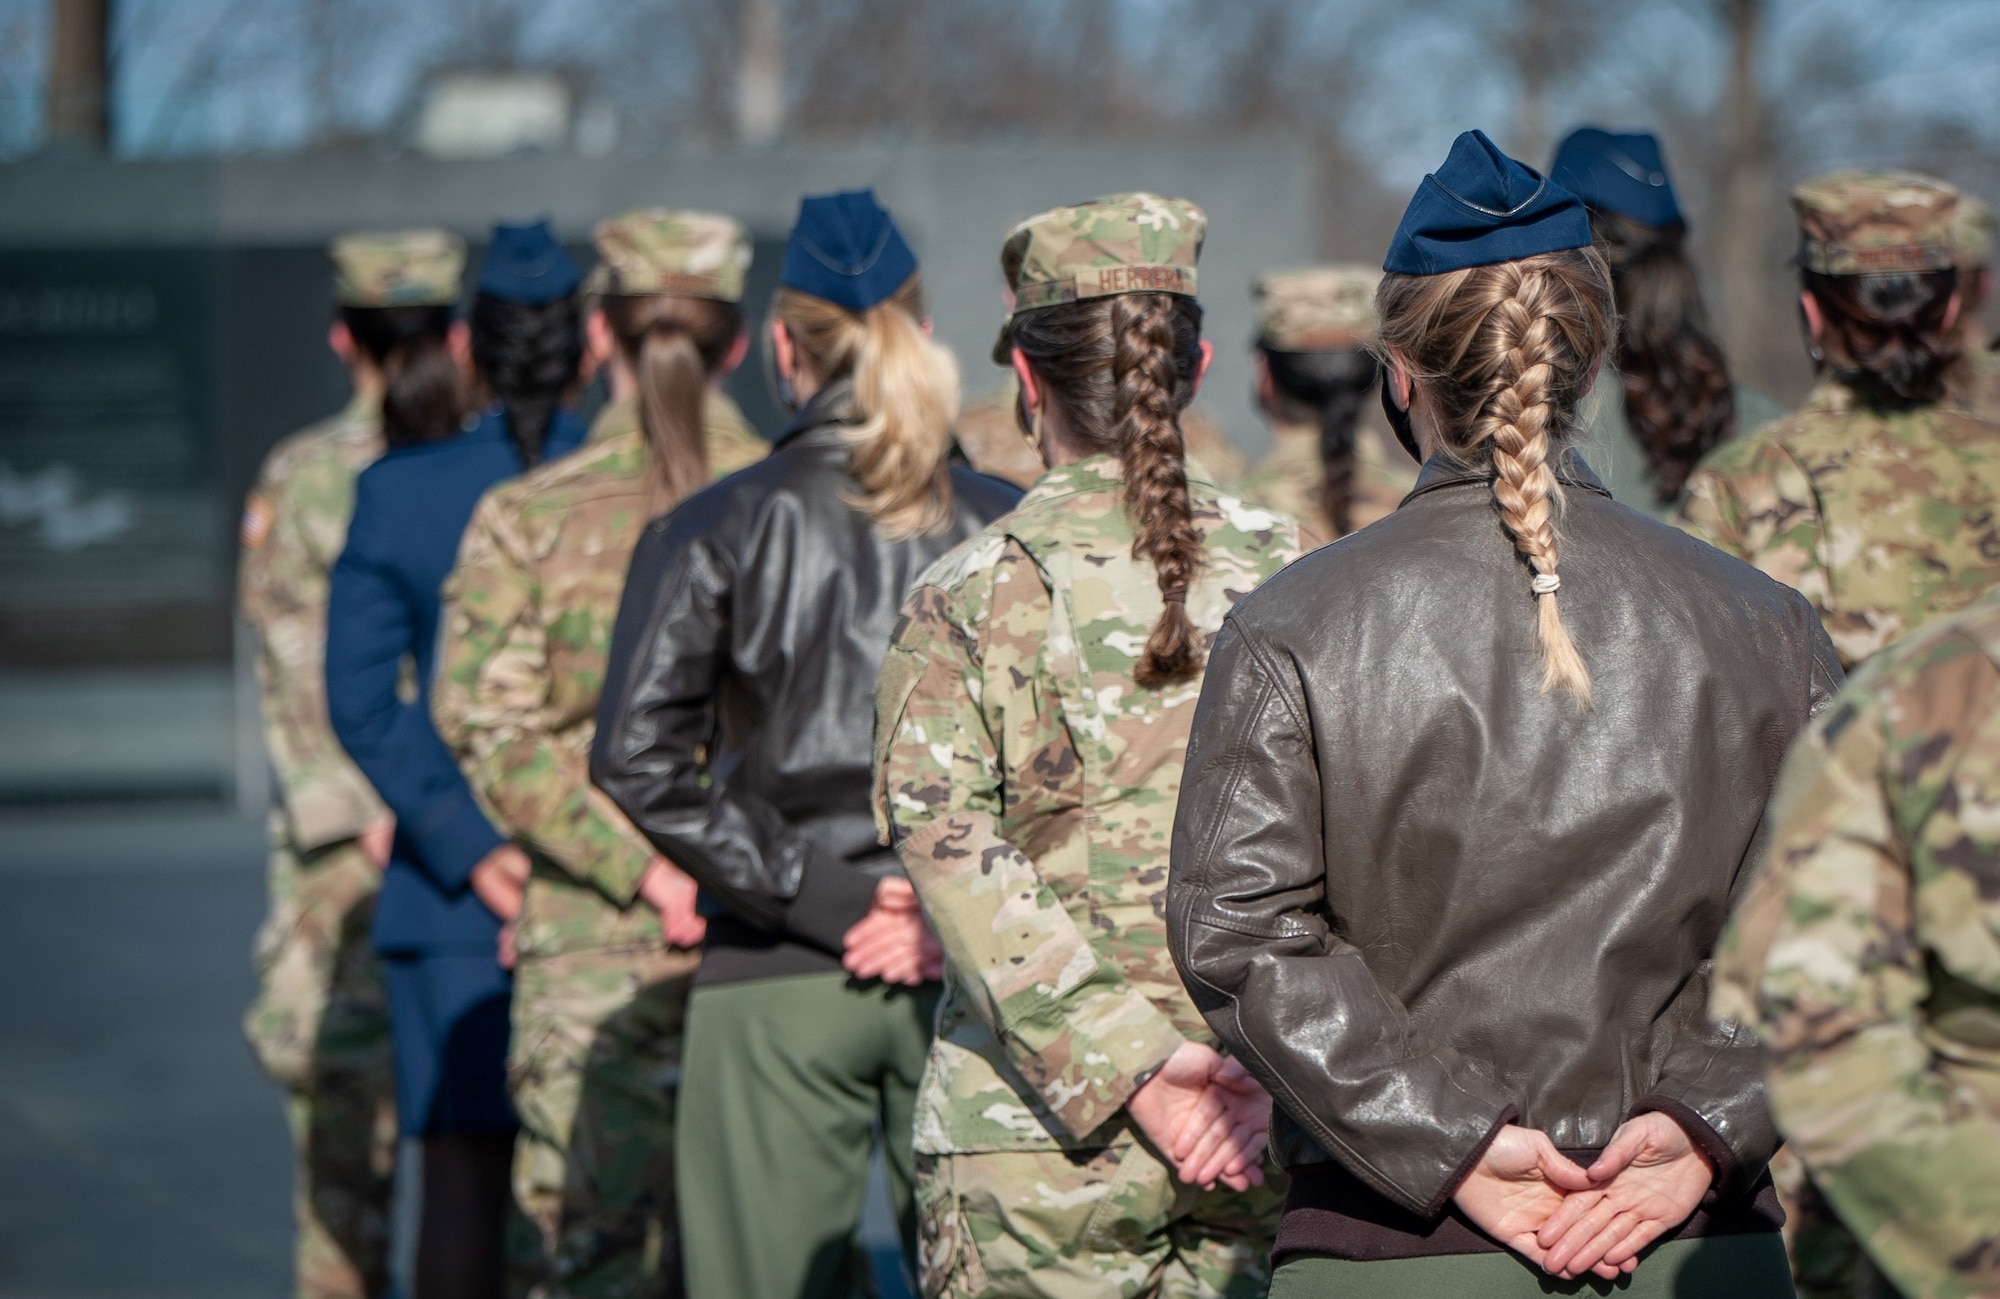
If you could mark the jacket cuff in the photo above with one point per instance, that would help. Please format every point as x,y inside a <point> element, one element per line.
<point>1442,1200</point>
<point>325,813</point>
<point>453,841</point>
<point>1729,1179</point>
<point>1111,1062</point>
<point>832,898</point>
<point>617,874</point>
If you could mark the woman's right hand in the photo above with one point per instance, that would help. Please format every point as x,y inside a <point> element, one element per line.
<point>500,880</point>
<point>1207,1116</point>
<point>672,893</point>
<point>1517,1186</point>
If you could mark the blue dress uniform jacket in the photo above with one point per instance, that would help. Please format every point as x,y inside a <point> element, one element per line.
<point>410,509</point>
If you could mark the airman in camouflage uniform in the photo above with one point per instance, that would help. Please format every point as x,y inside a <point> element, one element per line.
<point>599,996</point>
<point>1329,308</point>
<point>1029,784</point>
<point>1867,954</point>
<point>1972,243</point>
<point>1883,518</point>
<point>320,1023</point>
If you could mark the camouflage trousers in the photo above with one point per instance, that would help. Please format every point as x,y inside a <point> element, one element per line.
<point>594,1070</point>
<point>1106,1224</point>
<point>1827,1261</point>
<point>320,1028</point>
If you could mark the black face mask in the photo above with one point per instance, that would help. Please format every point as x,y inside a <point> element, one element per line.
<point>1399,422</point>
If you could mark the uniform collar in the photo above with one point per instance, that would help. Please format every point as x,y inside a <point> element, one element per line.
<point>1444,471</point>
<point>1099,473</point>
<point>833,404</point>
<point>616,419</point>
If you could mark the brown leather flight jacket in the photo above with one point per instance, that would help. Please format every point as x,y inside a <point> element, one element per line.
<point>1421,899</point>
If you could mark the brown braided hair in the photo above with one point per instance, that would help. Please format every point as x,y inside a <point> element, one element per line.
<point>1678,398</point>
<point>1122,369</point>
<point>1503,353</point>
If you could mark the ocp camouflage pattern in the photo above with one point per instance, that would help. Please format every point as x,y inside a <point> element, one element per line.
<point>1883,519</point>
<point>319,1025</point>
<point>1874,223</point>
<point>1318,308</point>
<point>397,268</point>
<point>528,615</point>
<point>1867,954</point>
<point>1029,785</point>
<point>594,1063</point>
<point>1289,478</point>
<point>1120,243</point>
<point>294,527</point>
<point>1068,1225</point>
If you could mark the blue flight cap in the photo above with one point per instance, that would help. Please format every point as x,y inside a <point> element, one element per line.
<point>1618,173</point>
<point>1483,207</point>
<point>846,248</point>
<point>525,264</point>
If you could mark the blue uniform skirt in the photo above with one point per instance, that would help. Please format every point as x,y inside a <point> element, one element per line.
<point>448,1015</point>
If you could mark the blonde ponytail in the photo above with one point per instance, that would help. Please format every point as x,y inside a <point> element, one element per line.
<point>906,396</point>
<point>1504,352</point>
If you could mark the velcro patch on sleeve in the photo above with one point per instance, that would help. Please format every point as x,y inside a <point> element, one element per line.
<point>258,516</point>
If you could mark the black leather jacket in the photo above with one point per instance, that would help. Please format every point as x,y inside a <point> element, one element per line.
<point>1421,899</point>
<point>739,699</point>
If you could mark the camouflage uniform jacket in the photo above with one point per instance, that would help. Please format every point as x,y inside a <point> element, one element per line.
<point>1983,382</point>
<point>1288,479</point>
<point>529,609</point>
<point>1883,519</point>
<point>294,525</point>
<point>1029,784</point>
<point>1867,952</point>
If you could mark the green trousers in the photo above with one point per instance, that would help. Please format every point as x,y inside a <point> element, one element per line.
<point>1716,1267</point>
<point>785,1084</point>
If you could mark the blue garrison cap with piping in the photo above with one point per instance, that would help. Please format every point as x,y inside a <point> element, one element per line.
<point>525,264</point>
<point>846,248</point>
<point>1483,207</point>
<point>1618,172</point>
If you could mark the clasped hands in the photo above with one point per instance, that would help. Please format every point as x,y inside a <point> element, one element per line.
<point>1569,1220</point>
<point>1208,1116</point>
<point>1201,1110</point>
<point>893,942</point>
<point>500,880</point>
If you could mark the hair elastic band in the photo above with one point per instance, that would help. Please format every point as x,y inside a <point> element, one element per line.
<point>1176,594</point>
<point>1546,584</point>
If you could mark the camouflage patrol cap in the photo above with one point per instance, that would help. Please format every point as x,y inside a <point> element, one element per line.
<point>1317,309</point>
<point>1874,223</point>
<point>687,254</point>
<point>397,268</point>
<point>1972,233</point>
<point>1121,243</point>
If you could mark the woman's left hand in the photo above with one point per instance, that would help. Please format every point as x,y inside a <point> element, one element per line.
<point>1652,1176</point>
<point>1518,1185</point>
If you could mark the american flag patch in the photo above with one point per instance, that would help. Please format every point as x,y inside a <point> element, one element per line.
<point>258,516</point>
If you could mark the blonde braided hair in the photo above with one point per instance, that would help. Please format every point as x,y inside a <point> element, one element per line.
<point>1503,353</point>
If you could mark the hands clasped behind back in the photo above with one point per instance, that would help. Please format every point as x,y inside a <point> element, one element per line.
<point>1569,1220</point>
<point>1201,1110</point>
<point>1208,1116</point>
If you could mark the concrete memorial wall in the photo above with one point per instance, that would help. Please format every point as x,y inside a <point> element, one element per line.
<point>162,324</point>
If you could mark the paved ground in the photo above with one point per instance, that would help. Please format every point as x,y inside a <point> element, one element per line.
<point>141,1153</point>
